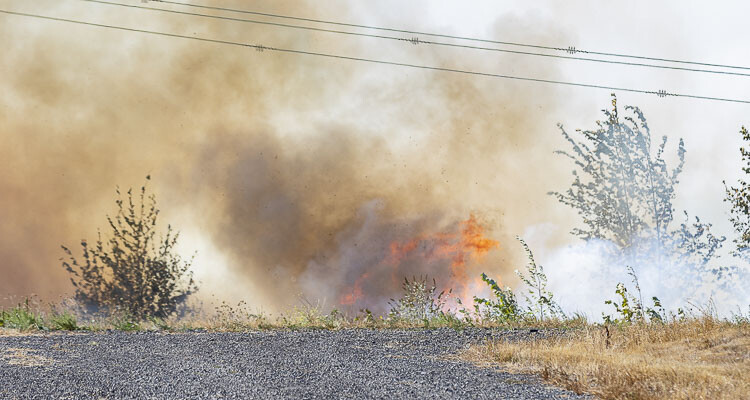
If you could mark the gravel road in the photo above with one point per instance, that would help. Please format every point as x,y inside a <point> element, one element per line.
<point>270,364</point>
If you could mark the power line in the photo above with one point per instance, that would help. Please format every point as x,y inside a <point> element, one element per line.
<point>261,48</point>
<point>570,49</point>
<point>416,40</point>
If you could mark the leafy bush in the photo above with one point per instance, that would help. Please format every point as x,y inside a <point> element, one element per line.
<point>631,308</point>
<point>502,307</point>
<point>309,315</point>
<point>420,301</point>
<point>132,271</point>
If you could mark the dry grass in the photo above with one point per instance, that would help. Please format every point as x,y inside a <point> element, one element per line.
<point>8,332</point>
<point>25,358</point>
<point>701,358</point>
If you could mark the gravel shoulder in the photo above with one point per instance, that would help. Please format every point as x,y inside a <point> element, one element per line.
<point>306,364</point>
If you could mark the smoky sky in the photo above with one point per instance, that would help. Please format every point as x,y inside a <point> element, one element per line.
<point>299,170</point>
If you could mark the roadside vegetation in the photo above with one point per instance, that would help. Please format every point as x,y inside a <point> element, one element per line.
<point>131,271</point>
<point>696,357</point>
<point>623,191</point>
<point>419,307</point>
<point>638,352</point>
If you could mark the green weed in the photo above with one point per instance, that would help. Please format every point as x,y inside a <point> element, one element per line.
<point>64,322</point>
<point>22,318</point>
<point>125,322</point>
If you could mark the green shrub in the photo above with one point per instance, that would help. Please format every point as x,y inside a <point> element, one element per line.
<point>239,318</point>
<point>132,270</point>
<point>21,317</point>
<point>420,302</point>
<point>537,296</point>
<point>125,322</point>
<point>631,309</point>
<point>501,308</point>
<point>63,321</point>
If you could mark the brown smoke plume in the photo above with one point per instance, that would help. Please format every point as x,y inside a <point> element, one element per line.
<point>300,170</point>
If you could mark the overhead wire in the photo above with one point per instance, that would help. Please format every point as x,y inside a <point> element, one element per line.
<point>414,40</point>
<point>456,37</point>
<point>261,48</point>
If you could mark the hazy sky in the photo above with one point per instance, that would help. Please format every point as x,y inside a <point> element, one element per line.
<point>683,30</point>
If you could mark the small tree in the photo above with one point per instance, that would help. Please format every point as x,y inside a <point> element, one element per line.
<point>623,190</point>
<point>739,198</point>
<point>620,188</point>
<point>131,271</point>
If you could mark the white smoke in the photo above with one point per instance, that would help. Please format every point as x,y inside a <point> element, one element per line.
<point>583,275</point>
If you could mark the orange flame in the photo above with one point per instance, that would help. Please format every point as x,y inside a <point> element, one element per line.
<point>467,245</point>
<point>356,292</point>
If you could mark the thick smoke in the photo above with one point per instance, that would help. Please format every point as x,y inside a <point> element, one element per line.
<point>596,272</point>
<point>295,172</point>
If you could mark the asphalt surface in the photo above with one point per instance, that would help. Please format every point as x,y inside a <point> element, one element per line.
<point>311,364</point>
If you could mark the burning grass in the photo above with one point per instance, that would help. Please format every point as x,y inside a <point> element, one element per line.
<point>449,253</point>
<point>695,358</point>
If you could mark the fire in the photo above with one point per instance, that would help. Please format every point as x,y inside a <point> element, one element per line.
<point>473,242</point>
<point>465,245</point>
<point>356,292</point>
